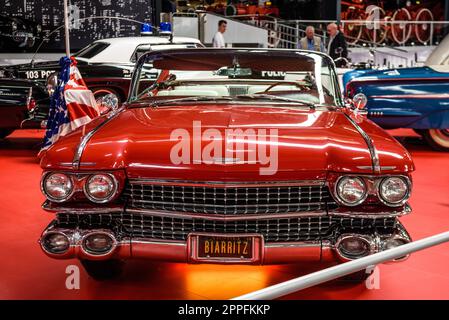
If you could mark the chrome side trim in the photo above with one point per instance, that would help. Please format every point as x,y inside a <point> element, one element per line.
<point>47,206</point>
<point>381,167</point>
<point>293,244</point>
<point>384,214</point>
<point>51,207</point>
<point>220,217</point>
<point>85,139</point>
<point>369,143</point>
<point>229,184</point>
<point>411,96</point>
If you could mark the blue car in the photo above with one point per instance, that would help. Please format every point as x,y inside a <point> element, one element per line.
<point>416,98</point>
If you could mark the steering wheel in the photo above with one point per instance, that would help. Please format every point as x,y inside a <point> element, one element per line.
<point>300,86</point>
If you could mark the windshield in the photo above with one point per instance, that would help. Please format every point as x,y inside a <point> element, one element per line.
<point>144,48</point>
<point>91,50</point>
<point>281,76</point>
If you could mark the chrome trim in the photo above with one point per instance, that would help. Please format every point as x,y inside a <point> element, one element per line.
<point>293,244</point>
<point>399,233</point>
<point>127,240</point>
<point>229,184</point>
<point>381,167</point>
<point>113,194</point>
<point>370,144</point>
<point>81,164</point>
<point>117,209</point>
<point>187,215</point>
<point>404,199</point>
<point>411,96</point>
<point>343,202</point>
<point>48,206</point>
<point>382,214</point>
<point>50,198</point>
<point>85,139</point>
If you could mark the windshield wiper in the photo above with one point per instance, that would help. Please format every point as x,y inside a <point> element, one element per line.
<point>275,98</point>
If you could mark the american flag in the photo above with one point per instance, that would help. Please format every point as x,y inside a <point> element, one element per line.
<point>72,104</point>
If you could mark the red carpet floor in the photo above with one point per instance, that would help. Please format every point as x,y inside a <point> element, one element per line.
<point>26,273</point>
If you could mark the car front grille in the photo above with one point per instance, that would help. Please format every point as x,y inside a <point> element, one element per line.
<point>304,228</point>
<point>228,200</point>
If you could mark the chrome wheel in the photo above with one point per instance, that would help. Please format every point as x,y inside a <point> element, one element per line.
<point>438,138</point>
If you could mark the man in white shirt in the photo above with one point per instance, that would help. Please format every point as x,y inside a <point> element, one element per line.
<point>218,40</point>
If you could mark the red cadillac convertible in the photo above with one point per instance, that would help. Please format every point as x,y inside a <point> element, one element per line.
<point>226,156</point>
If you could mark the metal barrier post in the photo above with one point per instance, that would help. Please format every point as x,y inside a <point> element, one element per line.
<point>338,271</point>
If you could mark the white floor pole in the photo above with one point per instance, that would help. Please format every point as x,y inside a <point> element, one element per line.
<point>66,28</point>
<point>338,271</point>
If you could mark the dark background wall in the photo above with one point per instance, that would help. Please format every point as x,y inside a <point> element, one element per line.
<point>49,13</point>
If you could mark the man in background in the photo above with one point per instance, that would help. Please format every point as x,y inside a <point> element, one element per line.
<point>310,41</point>
<point>336,46</point>
<point>218,41</point>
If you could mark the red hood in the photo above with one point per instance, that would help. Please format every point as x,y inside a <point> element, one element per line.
<point>310,144</point>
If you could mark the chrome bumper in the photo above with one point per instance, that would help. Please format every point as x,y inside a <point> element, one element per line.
<point>181,251</point>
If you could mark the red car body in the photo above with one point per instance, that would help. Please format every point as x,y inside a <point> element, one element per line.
<point>316,147</point>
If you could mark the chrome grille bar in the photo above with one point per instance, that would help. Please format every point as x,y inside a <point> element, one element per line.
<point>225,200</point>
<point>302,228</point>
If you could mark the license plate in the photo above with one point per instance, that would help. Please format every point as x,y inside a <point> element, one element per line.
<point>210,247</point>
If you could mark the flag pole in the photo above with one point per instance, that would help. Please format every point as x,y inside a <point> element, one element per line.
<point>66,28</point>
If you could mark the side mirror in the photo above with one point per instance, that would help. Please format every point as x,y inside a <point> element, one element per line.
<point>52,82</point>
<point>107,103</point>
<point>360,101</point>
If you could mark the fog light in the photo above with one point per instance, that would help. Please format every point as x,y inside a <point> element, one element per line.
<point>393,243</point>
<point>98,243</point>
<point>353,247</point>
<point>56,243</point>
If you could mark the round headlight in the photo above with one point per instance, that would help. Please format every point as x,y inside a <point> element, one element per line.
<point>394,191</point>
<point>100,188</point>
<point>351,191</point>
<point>57,187</point>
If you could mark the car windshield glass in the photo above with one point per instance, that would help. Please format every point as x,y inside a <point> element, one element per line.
<point>280,76</point>
<point>144,48</point>
<point>91,50</point>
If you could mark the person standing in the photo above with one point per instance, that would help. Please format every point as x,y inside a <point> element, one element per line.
<point>310,41</point>
<point>336,46</point>
<point>218,41</point>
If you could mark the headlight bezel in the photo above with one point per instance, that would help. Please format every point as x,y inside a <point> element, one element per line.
<point>110,196</point>
<point>48,195</point>
<point>407,195</point>
<point>344,202</point>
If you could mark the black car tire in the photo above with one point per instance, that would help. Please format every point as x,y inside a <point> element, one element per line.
<point>438,139</point>
<point>5,132</point>
<point>103,269</point>
<point>419,131</point>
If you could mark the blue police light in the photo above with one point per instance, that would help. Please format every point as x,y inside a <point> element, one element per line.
<point>165,28</point>
<point>146,29</point>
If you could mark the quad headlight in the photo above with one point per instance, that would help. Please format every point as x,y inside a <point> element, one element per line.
<point>100,188</point>
<point>57,187</point>
<point>351,191</point>
<point>394,191</point>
